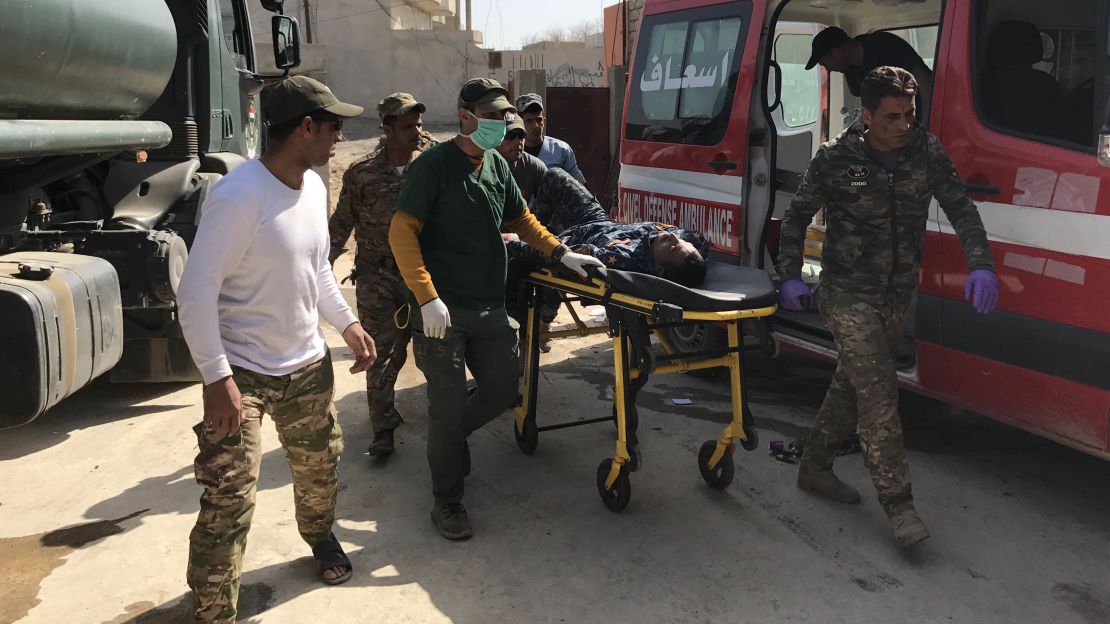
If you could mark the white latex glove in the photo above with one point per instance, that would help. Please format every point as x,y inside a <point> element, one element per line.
<point>436,318</point>
<point>578,262</point>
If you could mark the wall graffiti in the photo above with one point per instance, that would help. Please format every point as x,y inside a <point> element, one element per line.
<point>568,75</point>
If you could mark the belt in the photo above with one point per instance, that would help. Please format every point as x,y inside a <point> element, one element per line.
<point>384,262</point>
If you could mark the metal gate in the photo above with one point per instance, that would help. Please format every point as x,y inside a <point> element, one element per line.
<point>580,116</point>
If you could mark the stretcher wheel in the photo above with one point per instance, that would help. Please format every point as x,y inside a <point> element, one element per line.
<point>617,497</point>
<point>752,442</point>
<point>721,476</point>
<point>635,459</point>
<point>528,439</point>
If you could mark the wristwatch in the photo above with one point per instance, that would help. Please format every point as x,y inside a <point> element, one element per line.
<point>559,252</point>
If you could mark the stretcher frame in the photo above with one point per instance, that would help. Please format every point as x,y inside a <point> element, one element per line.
<point>631,321</point>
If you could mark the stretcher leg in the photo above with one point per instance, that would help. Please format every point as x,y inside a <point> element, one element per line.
<point>524,426</point>
<point>612,474</point>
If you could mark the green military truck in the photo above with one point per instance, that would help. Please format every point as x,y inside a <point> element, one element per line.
<point>116,119</point>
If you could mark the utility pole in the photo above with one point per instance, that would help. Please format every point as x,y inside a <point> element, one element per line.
<point>469,23</point>
<point>307,21</point>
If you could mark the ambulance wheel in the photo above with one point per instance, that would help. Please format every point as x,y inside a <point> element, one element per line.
<point>615,498</point>
<point>721,476</point>
<point>528,439</point>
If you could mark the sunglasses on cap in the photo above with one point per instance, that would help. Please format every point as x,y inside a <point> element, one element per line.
<point>515,134</point>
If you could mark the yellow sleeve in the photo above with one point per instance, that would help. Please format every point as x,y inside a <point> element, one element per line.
<point>404,230</point>
<point>531,232</point>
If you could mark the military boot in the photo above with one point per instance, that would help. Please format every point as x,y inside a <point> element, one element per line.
<point>382,444</point>
<point>451,521</point>
<point>908,527</point>
<point>825,482</point>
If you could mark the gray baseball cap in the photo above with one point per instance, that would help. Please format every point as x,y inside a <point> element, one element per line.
<point>528,100</point>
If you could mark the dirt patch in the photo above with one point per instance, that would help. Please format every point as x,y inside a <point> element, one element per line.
<point>1084,600</point>
<point>30,559</point>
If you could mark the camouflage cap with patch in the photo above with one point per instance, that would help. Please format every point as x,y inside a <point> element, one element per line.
<point>297,96</point>
<point>513,122</point>
<point>397,104</point>
<point>486,95</point>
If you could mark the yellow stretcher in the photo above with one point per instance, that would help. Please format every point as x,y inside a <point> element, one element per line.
<point>638,305</point>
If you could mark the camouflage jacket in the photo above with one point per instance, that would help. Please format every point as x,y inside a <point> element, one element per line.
<point>875,220</point>
<point>370,190</point>
<point>622,246</point>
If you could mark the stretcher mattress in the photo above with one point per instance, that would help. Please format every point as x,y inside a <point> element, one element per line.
<point>726,288</point>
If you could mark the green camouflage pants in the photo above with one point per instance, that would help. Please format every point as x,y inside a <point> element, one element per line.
<point>379,299</point>
<point>863,394</point>
<point>303,412</point>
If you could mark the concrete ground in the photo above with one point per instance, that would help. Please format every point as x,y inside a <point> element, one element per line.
<point>100,498</point>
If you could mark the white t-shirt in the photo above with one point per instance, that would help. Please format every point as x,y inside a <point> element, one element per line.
<point>258,278</point>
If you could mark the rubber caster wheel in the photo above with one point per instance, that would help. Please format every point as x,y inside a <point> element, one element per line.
<point>752,442</point>
<point>635,459</point>
<point>721,476</point>
<point>528,439</point>
<point>617,497</point>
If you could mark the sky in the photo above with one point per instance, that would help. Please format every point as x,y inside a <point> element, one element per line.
<point>504,23</point>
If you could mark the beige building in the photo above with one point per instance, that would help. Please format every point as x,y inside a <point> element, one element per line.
<point>367,49</point>
<point>565,63</point>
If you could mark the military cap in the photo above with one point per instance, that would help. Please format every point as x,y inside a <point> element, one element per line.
<point>513,122</point>
<point>398,104</point>
<point>297,96</point>
<point>486,95</point>
<point>529,100</point>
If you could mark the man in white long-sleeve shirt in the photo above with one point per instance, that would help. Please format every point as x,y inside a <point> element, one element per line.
<point>256,282</point>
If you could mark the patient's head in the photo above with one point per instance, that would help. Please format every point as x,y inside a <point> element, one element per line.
<point>678,260</point>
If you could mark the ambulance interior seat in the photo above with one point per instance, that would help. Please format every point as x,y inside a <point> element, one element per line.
<point>1016,95</point>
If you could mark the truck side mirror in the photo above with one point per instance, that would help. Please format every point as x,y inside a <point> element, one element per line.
<point>287,41</point>
<point>274,6</point>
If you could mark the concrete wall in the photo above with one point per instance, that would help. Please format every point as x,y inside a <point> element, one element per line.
<point>366,59</point>
<point>566,66</point>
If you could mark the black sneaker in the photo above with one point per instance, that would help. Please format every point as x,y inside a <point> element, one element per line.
<point>451,521</point>
<point>382,444</point>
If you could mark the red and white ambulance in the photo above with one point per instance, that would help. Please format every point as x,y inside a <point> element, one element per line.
<point>721,119</point>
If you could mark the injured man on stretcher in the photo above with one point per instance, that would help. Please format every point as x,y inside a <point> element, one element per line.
<point>567,209</point>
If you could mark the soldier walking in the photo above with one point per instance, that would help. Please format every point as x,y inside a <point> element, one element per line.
<point>370,189</point>
<point>251,296</point>
<point>875,185</point>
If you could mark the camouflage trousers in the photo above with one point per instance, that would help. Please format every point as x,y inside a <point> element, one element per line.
<point>381,302</point>
<point>303,411</point>
<point>863,395</point>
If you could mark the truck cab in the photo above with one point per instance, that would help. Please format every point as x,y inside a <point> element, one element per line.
<point>1019,100</point>
<point>115,121</point>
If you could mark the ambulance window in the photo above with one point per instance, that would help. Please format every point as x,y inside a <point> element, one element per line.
<point>1036,69</point>
<point>801,89</point>
<point>684,76</point>
<point>923,40</point>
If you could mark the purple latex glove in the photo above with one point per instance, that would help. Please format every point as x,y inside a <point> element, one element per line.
<point>794,295</point>
<point>981,289</point>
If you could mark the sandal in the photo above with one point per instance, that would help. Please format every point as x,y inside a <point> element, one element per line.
<point>329,554</point>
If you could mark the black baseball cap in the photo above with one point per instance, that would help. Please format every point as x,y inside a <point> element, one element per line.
<point>486,95</point>
<point>826,41</point>
<point>297,96</point>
